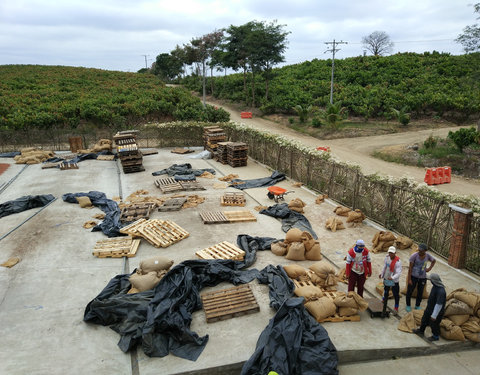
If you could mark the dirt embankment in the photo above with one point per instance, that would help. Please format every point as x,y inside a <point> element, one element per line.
<point>358,151</point>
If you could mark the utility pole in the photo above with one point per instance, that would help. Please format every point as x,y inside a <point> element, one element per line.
<point>146,66</point>
<point>333,50</point>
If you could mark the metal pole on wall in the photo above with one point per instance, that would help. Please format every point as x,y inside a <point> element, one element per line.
<point>333,50</point>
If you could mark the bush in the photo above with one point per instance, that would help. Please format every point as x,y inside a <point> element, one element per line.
<point>402,116</point>
<point>464,137</point>
<point>316,122</point>
<point>430,142</point>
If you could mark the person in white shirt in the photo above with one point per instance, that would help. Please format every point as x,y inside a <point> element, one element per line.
<point>392,269</point>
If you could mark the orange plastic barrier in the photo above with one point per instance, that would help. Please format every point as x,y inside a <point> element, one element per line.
<point>437,176</point>
<point>246,114</point>
<point>321,148</point>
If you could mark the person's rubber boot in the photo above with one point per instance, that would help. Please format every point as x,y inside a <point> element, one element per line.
<point>433,338</point>
<point>395,310</point>
<point>418,308</point>
<point>418,331</point>
<point>408,308</point>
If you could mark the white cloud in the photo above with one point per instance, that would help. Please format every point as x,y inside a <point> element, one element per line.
<point>115,34</point>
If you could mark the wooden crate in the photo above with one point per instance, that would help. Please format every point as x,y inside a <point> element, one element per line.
<point>223,250</point>
<point>229,303</point>
<point>162,233</point>
<point>233,199</point>
<point>116,247</point>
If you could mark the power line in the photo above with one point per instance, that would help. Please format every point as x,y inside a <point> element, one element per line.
<point>333,50</point>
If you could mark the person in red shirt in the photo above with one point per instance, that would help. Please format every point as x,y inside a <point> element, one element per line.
<point>358,267</point>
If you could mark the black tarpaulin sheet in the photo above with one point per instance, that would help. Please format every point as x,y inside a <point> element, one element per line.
<point>160,319</point>
<point>251,245</point>
<point>24,203</point>
<point>182,169</point>
<point>10,154</point>
<point>111,223</point>
<point>258,182</point>
<point>78,158</point>
<point>293,343</point>
<point>290,219</point>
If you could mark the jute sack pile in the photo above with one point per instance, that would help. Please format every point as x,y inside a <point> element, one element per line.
<point>450,331</point>
<point>402,243</point>
<point>341,210</point>
<point>296,205</point>
<point>457,311</point>
<point>149,273</point>
<point>321,198</point>
<point>382,241</point>
<point>309,292</point>
<point>294,271</point>
<point>470,298</point>
<point>334,224</point>
<point>471,329</point>
<point>323,274</point>
<point>101,145</point>
<point>298,245</point>
<point>341,277</point>
<point>355,217</point>
<point>349,303</point>
<point>410,321</point>
<point>32,155</point>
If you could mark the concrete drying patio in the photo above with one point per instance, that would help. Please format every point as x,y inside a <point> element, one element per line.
<point>44,296</point>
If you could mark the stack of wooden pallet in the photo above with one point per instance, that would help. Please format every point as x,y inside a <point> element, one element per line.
<point>116,247</point>
<point>237,154</point>
<point>128,151</point>
<point>212,135</point>
<point>221,152</point>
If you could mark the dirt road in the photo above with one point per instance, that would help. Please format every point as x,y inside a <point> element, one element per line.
<point>358,151</point>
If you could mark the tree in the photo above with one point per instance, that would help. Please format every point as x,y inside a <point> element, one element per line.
<point>167,66</point>
<point>378,43</point>
<point>470,39</point>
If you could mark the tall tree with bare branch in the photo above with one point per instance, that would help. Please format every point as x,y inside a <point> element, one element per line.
<point>378,43</point>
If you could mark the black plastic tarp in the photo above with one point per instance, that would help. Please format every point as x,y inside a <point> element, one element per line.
<point>258,182</point>
<point>78,158</point>
<point>290,219</point>
<point>111,223</point>
<point>9,154</point>
<point>160,319</point>
<point>293,343</point>
<point>24,203</point>
<point>177,170</point>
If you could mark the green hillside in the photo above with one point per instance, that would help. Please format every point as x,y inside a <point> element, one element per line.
<point>47,96</point>
<point>430,84</point>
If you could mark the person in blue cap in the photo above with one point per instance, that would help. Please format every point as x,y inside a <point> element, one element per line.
<point>433,314</point>
<point>358,267</point>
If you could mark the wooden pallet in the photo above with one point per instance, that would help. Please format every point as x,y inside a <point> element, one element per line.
<point>132,229</point>
<point>133,168</point>
<point>239,216</point>
<point>222,250</point>
<point>116,247</point>
<point>191,185</point>
<point>125,141</point>
<point>233,199</point>
<point>50,165</point>
<point>149,152</point>
<point>136,211</point>
<point>162,233</point>
<point>172,204</point>
<point>67,166</point>
<point>229,303</point>
<point>218,217</point>
<point>168,185</point>
<point>237,146</point>
<point>106,157</point>
<point>179,150</point>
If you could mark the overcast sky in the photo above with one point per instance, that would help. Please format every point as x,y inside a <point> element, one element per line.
<point>116,34</point>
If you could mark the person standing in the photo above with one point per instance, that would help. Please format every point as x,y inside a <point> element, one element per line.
<point>433,314</point>
<point>358,267</point>
<point>417,274</point>
<point>392,269</point>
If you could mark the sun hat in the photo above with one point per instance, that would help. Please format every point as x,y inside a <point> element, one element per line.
<point>392,249</point>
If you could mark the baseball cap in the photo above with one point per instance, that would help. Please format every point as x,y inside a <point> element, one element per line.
<point>392,249</point>
<point>422,247</point>
<point>360,242</point>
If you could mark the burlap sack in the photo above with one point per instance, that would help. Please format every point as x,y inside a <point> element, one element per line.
<point>89,224</point>
<point>296,251</point>
<point>314,253</point>
<point>458,320</point>
<point>279,248</point>
<point>356,216</point>
<point>402,243</point>
<point>347,311</point>
<point>342,300</point>
<point>293,235</point>
<point>380,289</point>
<point>362,305</point>
<point>10,262</point>
<point>155,264</point>
<point>418,315</point>
<point>84,202</point>
<point>342,211</point>
<point>425,295</point>
<point>323,269</point>
<point>321,308</point>
<point>408,323</point>
<point>294,271</point>
<point>457,307</point>
<point>309,292</point>
<point>471,329</point>
<point>450,331</point>
<point>382,241</point>
<point>321,198</point>
<point>341,276</point>
<point>470,298</point>
<point>309,244</point>
<point>296,205</point>
<point>334,224</point>
<point>133,290</point>
<point>306,236</point>
<point>144,282</point>
<point>316,279</point>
